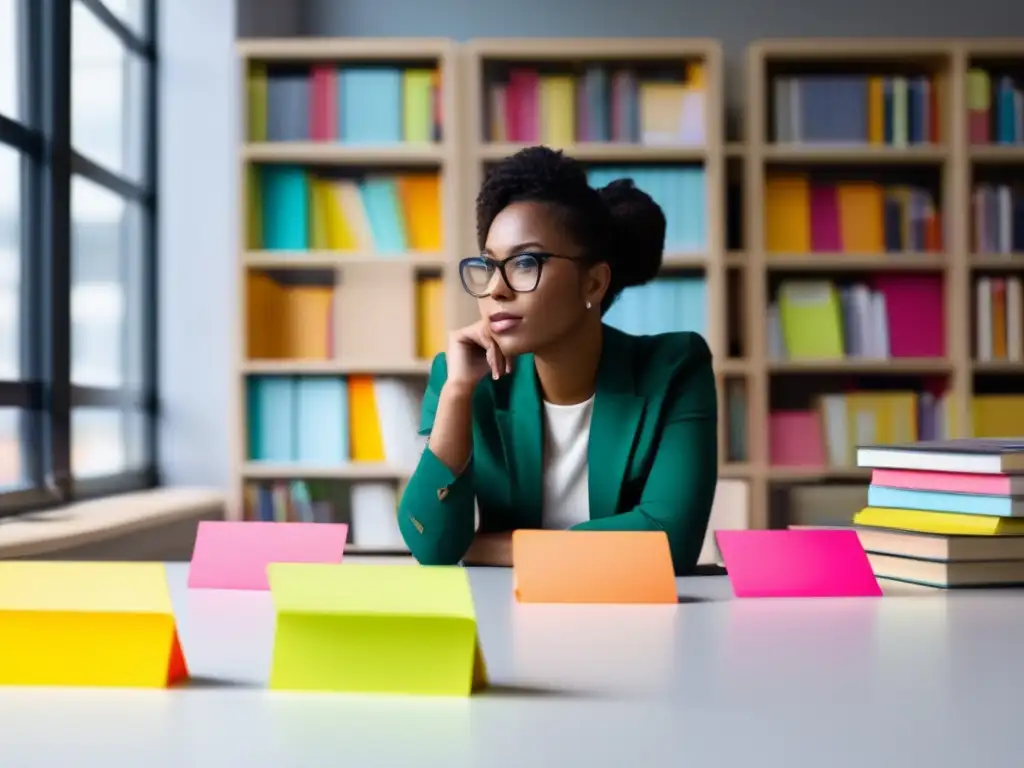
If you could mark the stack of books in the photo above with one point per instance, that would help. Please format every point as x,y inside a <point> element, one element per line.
<point>945,513</point>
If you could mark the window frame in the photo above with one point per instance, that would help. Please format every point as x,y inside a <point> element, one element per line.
<point>42,134</point>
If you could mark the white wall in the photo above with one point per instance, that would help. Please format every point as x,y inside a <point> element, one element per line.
<point>199,94</point>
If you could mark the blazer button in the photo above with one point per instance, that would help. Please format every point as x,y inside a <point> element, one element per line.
<point>442,494</point>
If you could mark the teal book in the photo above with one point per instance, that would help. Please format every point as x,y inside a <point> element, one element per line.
<point>285,208</point>
<point>384,212</point>
<point>322,420</point>
<point>370,103</point>
<point>271,409</point>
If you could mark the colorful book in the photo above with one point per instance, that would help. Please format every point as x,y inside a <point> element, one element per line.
<point>945,523</point>
<point>949,482</point>
<point>990,456</point>
<point>935,501</point>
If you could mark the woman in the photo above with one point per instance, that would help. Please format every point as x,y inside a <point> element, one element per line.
<point>538,414</point>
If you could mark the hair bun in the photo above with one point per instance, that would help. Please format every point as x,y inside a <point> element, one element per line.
<point>640,225</point>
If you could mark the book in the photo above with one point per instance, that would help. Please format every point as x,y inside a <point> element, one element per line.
<point>949,482</point>
<point>947,523</point>
<point>948,575</point>
<point>937,501</point>
<point>941,547</point>
<point>991,456</point>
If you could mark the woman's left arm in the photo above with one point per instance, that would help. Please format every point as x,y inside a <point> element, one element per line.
<point>681,484</point>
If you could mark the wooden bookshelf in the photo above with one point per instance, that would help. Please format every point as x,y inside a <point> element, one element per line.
<point>372,318</point>
<point>953,162</point>
<point>488,63</point>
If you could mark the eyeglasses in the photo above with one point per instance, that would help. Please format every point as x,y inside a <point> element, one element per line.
<point>520,272</point>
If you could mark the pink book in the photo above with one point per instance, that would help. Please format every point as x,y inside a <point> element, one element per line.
<point>825,234</point>
<point>796,439</point>
<point>323,104</point>
<point>235,555</point>
<point>978,127</point>
<point>949,482</point>
<point>914,309</point>
<point>797,563</point>
<point>523,106</point>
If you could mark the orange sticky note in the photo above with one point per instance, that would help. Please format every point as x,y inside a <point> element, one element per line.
<point>592,567</point>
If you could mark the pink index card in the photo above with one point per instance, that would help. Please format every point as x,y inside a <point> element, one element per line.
<point>797,563</point>
<point>235,555</point>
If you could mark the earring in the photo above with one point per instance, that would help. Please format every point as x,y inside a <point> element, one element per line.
<point>588,305</point>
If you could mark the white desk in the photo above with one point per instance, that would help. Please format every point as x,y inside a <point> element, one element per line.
<point>928,680</point>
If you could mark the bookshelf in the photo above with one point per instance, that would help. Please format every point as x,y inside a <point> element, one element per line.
<point>861,173</point>
<point>578,90</point>
<point>349,179</point>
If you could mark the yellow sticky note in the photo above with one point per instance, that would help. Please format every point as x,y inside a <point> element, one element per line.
<point>375,629</point>
<point>87,624</point>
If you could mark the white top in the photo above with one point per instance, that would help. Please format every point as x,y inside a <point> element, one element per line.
<point>566,491</point>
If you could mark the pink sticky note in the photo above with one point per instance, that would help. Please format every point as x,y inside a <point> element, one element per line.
<point>797,563</point>
<point>235,555</point>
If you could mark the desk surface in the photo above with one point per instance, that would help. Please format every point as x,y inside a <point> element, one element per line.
<point>923,679</point>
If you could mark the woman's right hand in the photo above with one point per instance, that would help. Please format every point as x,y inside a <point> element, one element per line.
<point>472,354</point>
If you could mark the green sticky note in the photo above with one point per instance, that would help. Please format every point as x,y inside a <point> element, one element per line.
<point>374,629</point>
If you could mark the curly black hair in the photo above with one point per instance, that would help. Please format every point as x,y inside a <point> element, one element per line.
<point>618,224</point>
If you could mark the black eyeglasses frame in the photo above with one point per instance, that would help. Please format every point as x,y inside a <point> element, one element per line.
<point>542,257</point>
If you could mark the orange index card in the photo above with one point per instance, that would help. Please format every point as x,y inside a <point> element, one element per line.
<point>592,567</point>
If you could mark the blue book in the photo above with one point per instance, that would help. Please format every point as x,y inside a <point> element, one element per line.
<point>322,420</point>
<point>288,106</point>
<point>384,212</point>
<point>370,102</point>
<point>285,207</point>
<point>935,501</point>
<point>271,408</point>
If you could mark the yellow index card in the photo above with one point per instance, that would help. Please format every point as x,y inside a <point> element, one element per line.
<point>375,629</point>
<point>87,624</point>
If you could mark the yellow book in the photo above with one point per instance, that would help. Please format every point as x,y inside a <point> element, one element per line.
<point>257,90</point>
<point>876,110</point>
<point>430,328</point>
<point>881,418</point>
<point>366,443</point>
<point>417,105</point>
<point>979,90</point>
<point>998,415</point>
<point>340,235</point>
<point>787,216</point>
<point>811,320</point>
<point>661,112</point>
<point>394,629</point>
<point>558,110</point>
<point>420,198</point>
<point>87,624</point>
<point>696,75</point>
<point>942,523</point>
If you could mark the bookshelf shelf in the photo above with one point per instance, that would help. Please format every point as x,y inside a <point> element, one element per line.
<point>886,367</point>
<point>323,153</point>
<point>257,471</point>
<point>859,155</point>
<point>350,188</point>
<point>609,152</point>
<point>839,262</point>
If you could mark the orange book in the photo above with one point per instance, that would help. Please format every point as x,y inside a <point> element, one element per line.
<point>420,198</point>
<point>788,214</point>
<point>262,334</point>
<point>306,311</point>
<point>592,567</point>
<point>366,443</point>
<point>861,224</point>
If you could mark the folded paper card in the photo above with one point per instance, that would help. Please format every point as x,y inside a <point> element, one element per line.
<point>235,555</point>
<point>592,567</point>
<point>87,624</point>
<point>797,563</point>
<point>400,629</point>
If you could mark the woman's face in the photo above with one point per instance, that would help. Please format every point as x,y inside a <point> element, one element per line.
<point>522,236</point>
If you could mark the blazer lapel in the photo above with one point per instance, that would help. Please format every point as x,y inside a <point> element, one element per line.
<point>614,427</point>
<point>522,436</point>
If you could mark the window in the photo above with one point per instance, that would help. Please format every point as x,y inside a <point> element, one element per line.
<point>77,250</point>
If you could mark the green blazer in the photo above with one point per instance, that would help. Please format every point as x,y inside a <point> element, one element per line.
<point>653,452</point>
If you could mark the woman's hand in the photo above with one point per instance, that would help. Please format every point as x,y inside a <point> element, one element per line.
<point>472,354</point>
